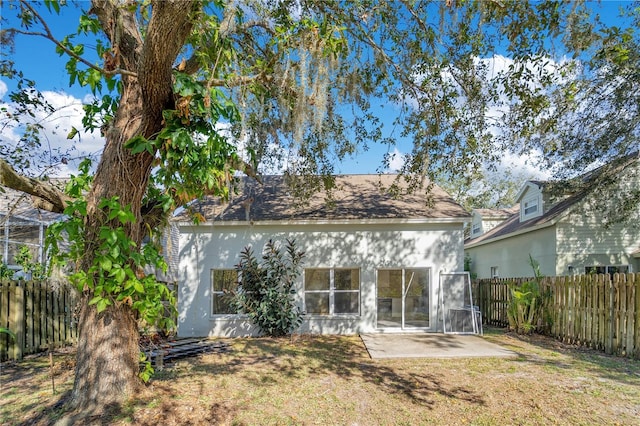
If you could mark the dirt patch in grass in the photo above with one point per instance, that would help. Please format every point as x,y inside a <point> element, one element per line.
<point>331,380</point>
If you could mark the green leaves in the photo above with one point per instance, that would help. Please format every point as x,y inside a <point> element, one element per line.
<point>52,5</point>
<point>116,273</point>
<point>139,144</point>
<point>525,310</point>
<point>266,290</point>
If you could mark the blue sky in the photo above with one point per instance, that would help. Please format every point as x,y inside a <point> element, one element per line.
<point>37,58</point>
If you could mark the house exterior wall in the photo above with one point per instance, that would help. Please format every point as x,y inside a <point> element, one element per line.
<point>438,247</point>
<point>584,241</point>
<point>511,255</point>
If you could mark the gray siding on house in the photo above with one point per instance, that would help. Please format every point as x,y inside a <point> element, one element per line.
<point>511,255</point>
<point>584,241</point>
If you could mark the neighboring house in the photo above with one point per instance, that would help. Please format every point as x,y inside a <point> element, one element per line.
<point>483,220</point>
<point>564,231</point>
<point>22,225</point>
<point>372,261</point>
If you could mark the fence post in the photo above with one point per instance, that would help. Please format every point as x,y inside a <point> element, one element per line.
<point>17,320</point>
<point>636,303</point>
<point>609,342</point>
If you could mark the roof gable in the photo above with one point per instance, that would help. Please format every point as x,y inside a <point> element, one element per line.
<point>574,196</point>
<point>354,197</point>
<point>529,188</point>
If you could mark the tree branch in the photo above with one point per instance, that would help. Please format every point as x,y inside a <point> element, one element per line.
<point>48,35</point>
<point>47,197</point>
<point>192,65</point>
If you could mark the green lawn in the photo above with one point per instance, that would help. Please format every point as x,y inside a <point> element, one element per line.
<point>330,380</point>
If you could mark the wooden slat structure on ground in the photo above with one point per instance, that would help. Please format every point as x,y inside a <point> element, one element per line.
<point>167,352</point>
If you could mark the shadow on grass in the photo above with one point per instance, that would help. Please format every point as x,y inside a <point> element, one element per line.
<point>345,357</point>
<point>580,358</point>
<point>264,363</point>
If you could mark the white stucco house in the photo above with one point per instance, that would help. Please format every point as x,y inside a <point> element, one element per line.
<point>372,261</point>
<point>566,231</point>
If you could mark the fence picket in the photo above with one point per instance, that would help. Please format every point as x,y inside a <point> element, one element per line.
<point>596,311</point>
<point>37,314</point>
<point>636,322</point>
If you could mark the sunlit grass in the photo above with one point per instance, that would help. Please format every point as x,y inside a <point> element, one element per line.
<point>331,380</point>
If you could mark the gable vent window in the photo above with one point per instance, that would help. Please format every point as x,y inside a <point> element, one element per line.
<point>530,207</point>
<point>475,230</point>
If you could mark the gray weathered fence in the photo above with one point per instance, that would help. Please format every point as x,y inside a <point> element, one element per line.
<point>598,311</point>
<point>39,313</point>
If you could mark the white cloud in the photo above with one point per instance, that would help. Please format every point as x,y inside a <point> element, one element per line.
<point>67,114</point>
<point>396,160</point>
<point>3,89</point>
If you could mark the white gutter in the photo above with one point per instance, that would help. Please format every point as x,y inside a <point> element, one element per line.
<point>292,222</point>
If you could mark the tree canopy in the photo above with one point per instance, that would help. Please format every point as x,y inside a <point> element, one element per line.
<point>190,92</point>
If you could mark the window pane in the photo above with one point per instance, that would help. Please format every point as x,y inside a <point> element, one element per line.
<point>316,279</point>
<point>618,269</point>
<point>595,269</point>
<point>225,279</point>
<point>416,282</point>
<point>346,279</point>
<point>221,304</point>
<point>530,206</point>
<point>317,303</point>
<point>346,302</point>
<point>390,283</point>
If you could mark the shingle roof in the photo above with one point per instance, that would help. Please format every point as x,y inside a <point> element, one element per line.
<point>513,224</point>
<point>18,205</point>
<point>497,213</point>
<point>354,197</point>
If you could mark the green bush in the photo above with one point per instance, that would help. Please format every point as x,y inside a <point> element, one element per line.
<point>35,270</point>
<point>266,289</point>
<point>526,310</point>
<point>5,271</point>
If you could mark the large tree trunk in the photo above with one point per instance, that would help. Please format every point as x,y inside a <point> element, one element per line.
<point>108,354</point>
<point>107,358</point>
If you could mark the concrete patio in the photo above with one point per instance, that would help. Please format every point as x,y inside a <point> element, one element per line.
<point>431,345</point>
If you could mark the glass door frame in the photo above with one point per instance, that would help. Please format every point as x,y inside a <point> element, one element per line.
<point>426,298</point>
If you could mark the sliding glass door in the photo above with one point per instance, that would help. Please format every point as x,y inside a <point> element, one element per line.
<point>403,298</point>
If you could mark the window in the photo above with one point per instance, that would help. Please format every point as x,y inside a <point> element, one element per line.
<point>222,280</point>
<point>332,291</point>
<point>476,228</point>
<point>494,272</point>
<point>608,269</point>
<point>530,207</point>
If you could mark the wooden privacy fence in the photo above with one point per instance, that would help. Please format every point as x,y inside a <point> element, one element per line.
<point>597,311</point>
<point>39,313</point>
